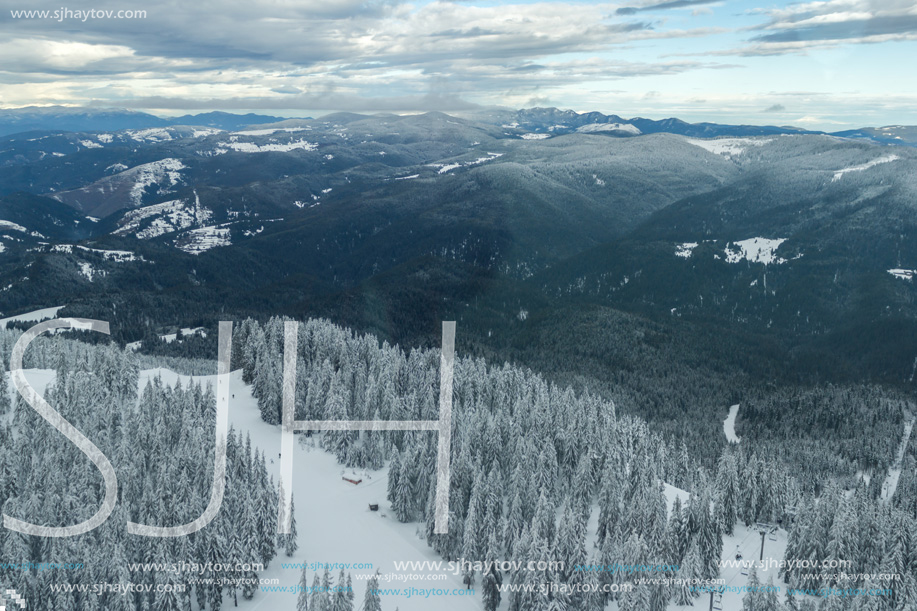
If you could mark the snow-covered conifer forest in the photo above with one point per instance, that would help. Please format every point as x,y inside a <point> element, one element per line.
<point>540,472</point>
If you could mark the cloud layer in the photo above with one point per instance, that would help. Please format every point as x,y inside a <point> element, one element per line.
<point>391,55</point>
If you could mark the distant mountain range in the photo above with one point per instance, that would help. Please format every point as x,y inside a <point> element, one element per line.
<point>62,118</point>
<point>535,120</point>
<point>796,251</point>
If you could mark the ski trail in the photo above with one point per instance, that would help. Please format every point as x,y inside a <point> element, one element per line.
<point>729,425</point>
<point>894,472</point>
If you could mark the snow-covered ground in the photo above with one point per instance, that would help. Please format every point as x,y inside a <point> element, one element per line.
<point>729,425</point>
<point>592,128</point>
<point>755,250</point>
<point>152,134</point>
<point>7,225</point>
<point>33,316</point>
<point>334,522</point>
<point>251,147</point>
<point>728,147</point>
<point>685,249</point>
<point>903,274</point>
<point>185,333</point>
<point>869,164</point>
<point>894,472</point>
<point>272,130</point>
<point>443,168</point>
<point>748,542</point>
<point>118,256</point>
<point>156,172</point>
<point>197,241</point>
<point>167,217</point>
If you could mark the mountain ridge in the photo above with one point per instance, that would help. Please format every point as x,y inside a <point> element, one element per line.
<point>535,119</point>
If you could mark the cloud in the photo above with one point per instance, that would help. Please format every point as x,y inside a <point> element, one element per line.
<point>271,51</point>
<point>775,108</point>
<point>43,55</point>
<point>321,101</point>
<point>631,10</point>
<point>810,119</point>
<point>435,55</point>
<point>797,28</point>
<point>853,29</point>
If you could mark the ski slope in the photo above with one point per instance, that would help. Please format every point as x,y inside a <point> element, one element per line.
<point>894,472</point>
<point>729,425</point>
<point>334,523</point>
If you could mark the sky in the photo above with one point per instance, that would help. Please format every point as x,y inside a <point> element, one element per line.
<point>827,65</point>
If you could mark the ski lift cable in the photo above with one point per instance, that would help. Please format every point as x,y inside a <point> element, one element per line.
<point>742,549</point>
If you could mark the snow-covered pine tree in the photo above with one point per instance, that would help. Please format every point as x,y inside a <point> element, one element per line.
<point>290,542</point>
<point>371,601</point>
<point>317,595</point>
<point>302,598</point>
<point>5,402</point>
<point>339,600</point>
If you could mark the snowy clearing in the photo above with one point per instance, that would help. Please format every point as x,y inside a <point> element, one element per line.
<point>609,127</point>
<point>185,333</point>
<point>153,173</point>
<point>153,134</point>
<point>755,250</point>
<point>443,168</point>
<point>685,250</point>
<point>200,240</point>
<point>33,316</point>
<point>535,136</point>
<point>205,131</point>
<point>118,256</point>
<point>167,217</point>
<point>859,168</point>
<point>90,272</point>
<point>268,132</point>
<point>729,425</point>
<point>903,274</point>
<point>12,226</point>
<point>894,472</point>
<point>333,519</point>
<point>251,147</point>
<point>728,147</point>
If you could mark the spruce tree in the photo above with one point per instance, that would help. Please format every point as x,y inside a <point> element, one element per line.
<point>371,601</point>
<point>302,599</point>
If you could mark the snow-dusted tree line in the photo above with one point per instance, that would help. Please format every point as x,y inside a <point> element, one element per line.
<point>539,472</point>
<point>529,461</point>
<point>161,444</point>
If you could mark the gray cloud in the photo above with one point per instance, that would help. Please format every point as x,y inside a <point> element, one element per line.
<point>632,10</point>
<point>330,101</point>
<point>844,30</point>
<point>775,108</point>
